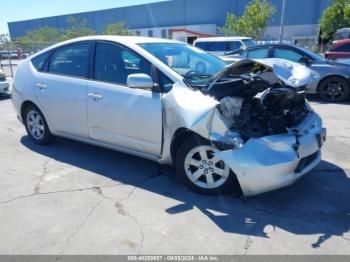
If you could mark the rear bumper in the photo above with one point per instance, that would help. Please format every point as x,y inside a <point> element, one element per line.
<point>272,162</point>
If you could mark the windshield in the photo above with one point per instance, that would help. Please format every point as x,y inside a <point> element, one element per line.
<point>249,42</point>
<point>194,64</point>
<point>313,55</point>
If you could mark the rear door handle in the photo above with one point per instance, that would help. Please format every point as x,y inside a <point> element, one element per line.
<point>95,96</point>
<point>41,86</point>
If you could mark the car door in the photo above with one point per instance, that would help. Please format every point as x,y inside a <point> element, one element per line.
<point>61,90</point>
<point>119,115</point>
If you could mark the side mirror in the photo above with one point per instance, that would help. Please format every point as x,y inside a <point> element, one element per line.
<point>140,81</point>
<point>304,60</point>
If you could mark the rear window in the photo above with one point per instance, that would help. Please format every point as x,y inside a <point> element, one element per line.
<point>260,53</point>
<point>219,46</point>
<point>40,61</point>
<point>202,45</point>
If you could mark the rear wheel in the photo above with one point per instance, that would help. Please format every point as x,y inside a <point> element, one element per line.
<point>334,89</point>
<point>36,126</point>
<point>202,171</point>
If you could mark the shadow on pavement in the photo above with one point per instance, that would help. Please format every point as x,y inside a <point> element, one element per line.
<point>316,205</point>
<point>5,96</point>
<point>317,99</point>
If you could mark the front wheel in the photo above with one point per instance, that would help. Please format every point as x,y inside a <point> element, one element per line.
<point>334,89</point>
<point>202,171</point>
<point>36,126</point>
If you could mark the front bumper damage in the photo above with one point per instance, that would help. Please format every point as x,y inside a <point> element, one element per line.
<point>271,162</point>
<point>262,162</point>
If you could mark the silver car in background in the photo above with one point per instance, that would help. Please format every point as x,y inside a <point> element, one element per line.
<point>244,128</point>
<point>334,82</point>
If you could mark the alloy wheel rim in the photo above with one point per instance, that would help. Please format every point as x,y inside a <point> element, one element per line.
<point>35,124</point>
<point>204,169</point>
<point>333,90</point>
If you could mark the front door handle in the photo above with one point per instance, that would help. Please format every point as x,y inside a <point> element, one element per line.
<point>95,96</point>
<point>41,86</point>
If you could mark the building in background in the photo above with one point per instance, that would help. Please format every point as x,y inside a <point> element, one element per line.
<point>186,20</point>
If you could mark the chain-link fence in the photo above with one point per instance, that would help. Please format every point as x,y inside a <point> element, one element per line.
<point>12,53</point>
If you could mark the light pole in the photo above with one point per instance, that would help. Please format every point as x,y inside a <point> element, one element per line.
<point>282,19</point>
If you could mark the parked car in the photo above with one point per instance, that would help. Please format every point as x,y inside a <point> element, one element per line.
<point>215,126</point>
<point>7,54</point>
<point>343,33</point>
<point>333,84</point>
<point>25,55</point>
<point>4,84</point>
<point>339,50</point>
<point>221,45</point>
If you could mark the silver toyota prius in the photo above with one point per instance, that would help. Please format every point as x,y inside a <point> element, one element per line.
<point>241,128</point>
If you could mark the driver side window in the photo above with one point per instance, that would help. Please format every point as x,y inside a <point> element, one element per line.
<point>114,63</point>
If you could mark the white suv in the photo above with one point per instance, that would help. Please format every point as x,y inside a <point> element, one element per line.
<point>222,45</point>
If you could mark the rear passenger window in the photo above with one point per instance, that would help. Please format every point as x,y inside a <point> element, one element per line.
<point>202,45</point>
<point>258,53</point>
<point>218,46</point>
<point>72,60</point>
<point>40,61</point>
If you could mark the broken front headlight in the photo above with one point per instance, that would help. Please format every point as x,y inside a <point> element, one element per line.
<point>231,140</point>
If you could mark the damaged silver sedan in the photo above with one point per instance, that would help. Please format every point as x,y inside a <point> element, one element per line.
<point>244,128</point>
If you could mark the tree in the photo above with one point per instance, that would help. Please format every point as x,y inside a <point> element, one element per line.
<point>118,28</point>
<point>4,41</point>
<point>43,34</point>
<point>77,27</point>
<point>38,38</point>
<point>252,23</point>
<point>335,17</point>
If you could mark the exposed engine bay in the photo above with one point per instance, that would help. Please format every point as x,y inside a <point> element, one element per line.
<point>254,102</point>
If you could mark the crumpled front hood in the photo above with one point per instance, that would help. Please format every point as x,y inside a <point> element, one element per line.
<point>290,73</point>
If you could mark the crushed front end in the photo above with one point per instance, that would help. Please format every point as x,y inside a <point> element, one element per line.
<point>273,136</point>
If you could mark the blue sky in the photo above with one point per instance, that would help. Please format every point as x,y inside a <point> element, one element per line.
<point>16,10</point>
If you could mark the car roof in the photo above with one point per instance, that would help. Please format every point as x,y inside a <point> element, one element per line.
<point>263,45</point>
<point>123,39</point>
<point>273,45</point>
<point>345,29</point>
<point>225,38</point>
<point>341,42</point>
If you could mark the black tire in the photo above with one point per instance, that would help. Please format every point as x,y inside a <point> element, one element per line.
<point>46,136</point>
<point>230,186</point>
<point>334,89</point>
